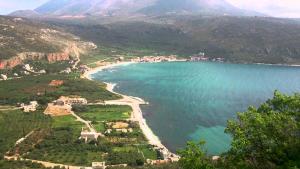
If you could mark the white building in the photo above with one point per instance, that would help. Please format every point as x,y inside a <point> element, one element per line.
<point>98,165</point>
<point>89,136</point>
<point>30,107</point>
<point>72,100</point>
<point>3,77</point>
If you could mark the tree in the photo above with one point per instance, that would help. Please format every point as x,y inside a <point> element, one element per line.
<point>267,137</point>
<point>193,157</point>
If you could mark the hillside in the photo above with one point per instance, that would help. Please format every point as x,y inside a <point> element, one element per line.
<point>237,39</point>
<point>85,8</point>
<point>203,7</point>
<point>22,39</point>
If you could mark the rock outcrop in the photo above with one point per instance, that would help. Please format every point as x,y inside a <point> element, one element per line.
<point>72,51</point>
<point>55,57</point>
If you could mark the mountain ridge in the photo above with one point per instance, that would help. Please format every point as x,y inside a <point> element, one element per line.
<point>137,7</point>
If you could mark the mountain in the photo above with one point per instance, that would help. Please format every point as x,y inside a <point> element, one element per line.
<point>207,7</point>
<point>23,39</point>
<point>25,13</point>
<point>237,39</point>
<point>138,7</point>
<point>92,7</point>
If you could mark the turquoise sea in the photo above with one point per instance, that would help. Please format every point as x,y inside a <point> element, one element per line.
<point>193,101</point>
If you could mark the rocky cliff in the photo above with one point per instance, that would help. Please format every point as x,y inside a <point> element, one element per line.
<point>22,39</point>
<point>72,51</point>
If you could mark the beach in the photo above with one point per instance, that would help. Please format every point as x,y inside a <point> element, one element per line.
<point>134,103</point>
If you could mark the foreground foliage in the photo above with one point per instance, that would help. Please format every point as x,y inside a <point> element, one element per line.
<point>263,138</point>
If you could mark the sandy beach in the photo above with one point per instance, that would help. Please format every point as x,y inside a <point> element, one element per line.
<point>134,102</point>
<point>88,74</point>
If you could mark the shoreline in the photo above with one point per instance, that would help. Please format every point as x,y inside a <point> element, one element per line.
<point>134,103</point>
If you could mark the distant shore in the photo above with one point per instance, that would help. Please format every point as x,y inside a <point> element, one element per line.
<point>134,102</point>
<point>88,74</point>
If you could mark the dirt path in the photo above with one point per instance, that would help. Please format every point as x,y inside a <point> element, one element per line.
<point>88,124</point>
<point>9,109</point>
<point>44,163</point>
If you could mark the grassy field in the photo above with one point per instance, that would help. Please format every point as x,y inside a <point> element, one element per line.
<point>102,113</point>
<point>37,88</point>
<point>68,121</point>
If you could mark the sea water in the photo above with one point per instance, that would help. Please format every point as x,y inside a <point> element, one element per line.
<point>194,100</point>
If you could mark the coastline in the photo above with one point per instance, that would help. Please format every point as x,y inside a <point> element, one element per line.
<point>134,103</point>
<point>88,74</point>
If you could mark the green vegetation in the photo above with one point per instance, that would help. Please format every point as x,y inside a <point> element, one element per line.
<point>237,39</point>
<point>49,67</point>
<point>60,146</point>
<point>14,125</point>
<point>70,122</point>
<point>24,36</point>
<point>267,137</point>
<point>21,165</point>
<point>102,113</point>
<point>37,88</point>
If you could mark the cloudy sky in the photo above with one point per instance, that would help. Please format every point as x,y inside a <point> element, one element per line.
<point>277,8</point>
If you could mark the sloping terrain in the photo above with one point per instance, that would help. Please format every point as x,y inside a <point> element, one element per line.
<point>22,39</point>
<point>237,39</point>
<point>85,8</point>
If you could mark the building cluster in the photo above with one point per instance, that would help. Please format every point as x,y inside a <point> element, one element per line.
<point>122,127</point>
<point>155,59</point>
<point>202,57</point>
<point>71,101</point>
<point>83,68</point>
<point>29,69</point>
<point>32,106</point>
<point>63,105</point>
<point>166,155</point>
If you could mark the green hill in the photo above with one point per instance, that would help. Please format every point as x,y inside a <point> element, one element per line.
<point>237,39</point>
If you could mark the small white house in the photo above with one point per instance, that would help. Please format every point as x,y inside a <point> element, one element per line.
<point>3,77</point>
<point>31,107</point>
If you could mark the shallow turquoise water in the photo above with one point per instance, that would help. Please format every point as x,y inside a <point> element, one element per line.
<point>193,101</point>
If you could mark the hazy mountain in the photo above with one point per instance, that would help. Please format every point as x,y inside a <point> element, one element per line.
<point>215,7</point>
<point>138,7</point>
<point>237,39</point>
<point>92,7</point>
<point>25,13</point>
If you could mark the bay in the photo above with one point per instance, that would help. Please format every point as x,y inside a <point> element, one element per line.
<point>194,100</point>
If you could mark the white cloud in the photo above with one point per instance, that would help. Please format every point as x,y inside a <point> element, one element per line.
<point>277,8</point>
<point>7,6</point>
